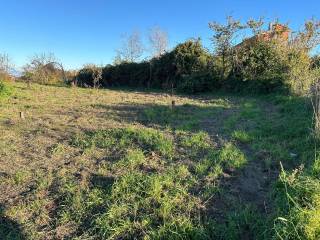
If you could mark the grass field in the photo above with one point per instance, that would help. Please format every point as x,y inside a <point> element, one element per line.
<point>123,164</point>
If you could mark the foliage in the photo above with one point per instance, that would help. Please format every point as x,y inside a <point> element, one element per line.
<point>197,83</point>
<point>5,90</point>
<point>299,202</point>
<point>315,61</point>
<point>223,40</point>
<point>260,64</point>
<point>258,67</point>
<point>5,67</point>
<point>267,64</point>
<point>89,75</point>
<point>177,68</point>
<point>44,69</point>
<point>300,75</point>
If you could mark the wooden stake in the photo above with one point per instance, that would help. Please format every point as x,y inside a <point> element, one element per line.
<point>22,115</point>
<point>173,104</point>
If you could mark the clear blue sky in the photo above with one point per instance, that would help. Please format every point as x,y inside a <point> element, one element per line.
<point>89,31</point>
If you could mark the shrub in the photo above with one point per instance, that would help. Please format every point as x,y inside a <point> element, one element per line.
<point>258,67</point>
<point>187,62</point>
<point>197,83</point>
<point>44,69</point>
<point>300,74</point>
<point>241,136</point>
<point>5,90</point>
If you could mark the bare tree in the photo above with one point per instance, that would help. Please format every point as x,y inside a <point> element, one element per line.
<point>131,49</point>
<point>5,66</point>
<point>97,76</point>
<point>158,40</point>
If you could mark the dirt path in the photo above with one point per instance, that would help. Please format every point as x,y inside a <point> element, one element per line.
<point>250,186</point>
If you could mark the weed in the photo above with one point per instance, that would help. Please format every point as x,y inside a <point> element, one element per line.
<point>195,143</point>
<point>298,200</point>
<point>5,90</point>
<point>132,160</point>
<point>242,136</point>
<point>232,157</point>
<point>20,177</point>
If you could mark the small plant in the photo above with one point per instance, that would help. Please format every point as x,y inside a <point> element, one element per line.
<point>5,90</point>
<point>241,136</point>
<point>231,156</point>
<point>133,159</point>
<point>197,142</point>
<point>20,177</point>
<point>298,199</point>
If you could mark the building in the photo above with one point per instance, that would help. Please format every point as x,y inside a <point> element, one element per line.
<point>276,31</point>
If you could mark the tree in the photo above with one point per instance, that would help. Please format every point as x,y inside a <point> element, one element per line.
<point>131,49</point>
<point>158,40</point>
<point>255,25</point>
<point>96,75</point>
<point>309,37</point>
<point>224,36</point>
<point>44,68</point>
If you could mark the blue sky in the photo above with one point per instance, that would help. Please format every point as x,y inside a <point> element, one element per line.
<point>89,31</point>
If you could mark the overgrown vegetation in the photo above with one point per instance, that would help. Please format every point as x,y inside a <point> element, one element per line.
<point>188,67</point>
<point>269,61</point>
<point>103,164</point>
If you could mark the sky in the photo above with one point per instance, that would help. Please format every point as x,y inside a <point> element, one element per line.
<point>89,31</point>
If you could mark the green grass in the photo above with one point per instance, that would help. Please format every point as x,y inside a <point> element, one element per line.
<point>298,199</point>
<point>113,164</point>
<point>242,136</point>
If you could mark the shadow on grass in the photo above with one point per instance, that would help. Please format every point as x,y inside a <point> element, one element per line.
<point>244,195</point>
<point>186,117</point>
<point>9,229</point>
<point>102,182</point>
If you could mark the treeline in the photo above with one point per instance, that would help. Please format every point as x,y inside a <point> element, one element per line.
<point>189,62</point>
<point>276,59</point>
<point>273,60</point>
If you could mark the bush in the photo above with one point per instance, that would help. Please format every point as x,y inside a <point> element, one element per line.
<point>253,67</point>
<point>300,73</point>
<point>85,77</point>
<point>187,63</point>
<point>196,83</point>
<point>5,90</point>
<point>259,67</point>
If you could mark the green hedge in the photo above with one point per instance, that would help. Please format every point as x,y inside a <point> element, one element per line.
<point>258,67</point>
<point>174,69</point>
